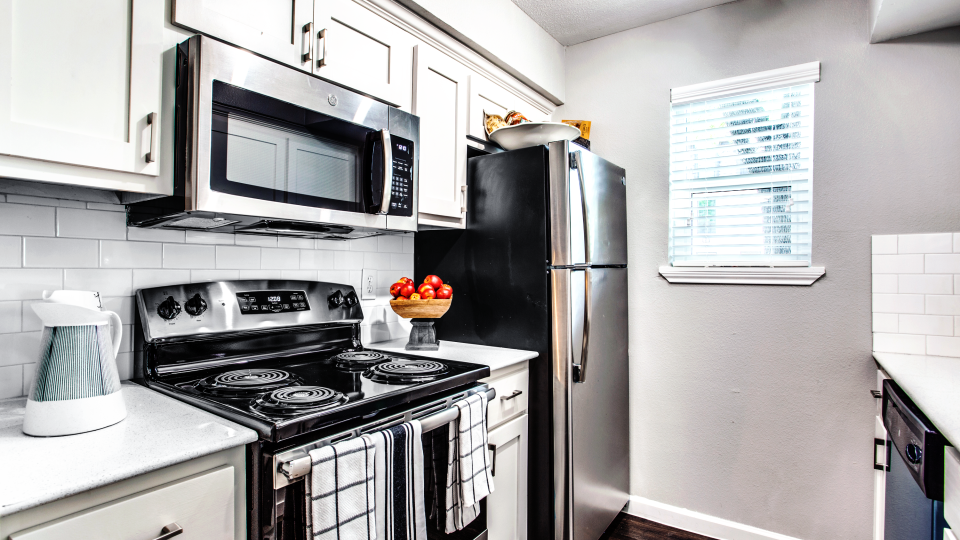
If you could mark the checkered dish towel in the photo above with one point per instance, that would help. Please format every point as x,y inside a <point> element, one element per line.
<point>399,483</point>
<point>342,490</point>
<point>468,468</point>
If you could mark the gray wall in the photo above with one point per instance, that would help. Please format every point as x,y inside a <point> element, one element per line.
<point>752,403</point>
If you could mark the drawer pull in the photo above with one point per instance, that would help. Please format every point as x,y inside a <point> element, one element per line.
<point>493,462</point>
<point>169,531</point>
<point>511,396</point>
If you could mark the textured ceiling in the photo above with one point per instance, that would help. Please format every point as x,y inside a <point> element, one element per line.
<point>574,21</point>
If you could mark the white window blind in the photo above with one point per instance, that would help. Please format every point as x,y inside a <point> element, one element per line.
<point>741,171</point>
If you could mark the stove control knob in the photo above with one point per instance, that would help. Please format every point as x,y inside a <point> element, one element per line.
<point>351,299</point>
<point>914,453</point>
<point>168,309</point>
<point>195,306</point>
<point>335,300</point>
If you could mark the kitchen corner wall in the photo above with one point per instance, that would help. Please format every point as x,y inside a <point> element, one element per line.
<point>916,294</point>
<point>50,244</point>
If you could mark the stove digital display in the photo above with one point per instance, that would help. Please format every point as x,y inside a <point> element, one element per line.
<point>256,302</point>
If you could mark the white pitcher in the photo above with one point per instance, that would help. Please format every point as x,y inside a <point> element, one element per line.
<point>77,387</point>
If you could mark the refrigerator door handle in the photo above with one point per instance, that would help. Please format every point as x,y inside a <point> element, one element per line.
<point>577,163</point>
<point>580,370</point>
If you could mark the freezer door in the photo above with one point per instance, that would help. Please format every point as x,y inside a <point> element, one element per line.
<point>588,206</point>
<point>599,408</point>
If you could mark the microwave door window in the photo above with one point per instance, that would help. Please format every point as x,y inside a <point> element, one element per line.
<point>250,155</point>
<point>322,169</point>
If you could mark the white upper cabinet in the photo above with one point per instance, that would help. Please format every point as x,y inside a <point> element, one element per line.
<point>487,96</point>
<point>277,29</point>
<point>80,84</point>
<point>440,99</point>
<point>355,47</point>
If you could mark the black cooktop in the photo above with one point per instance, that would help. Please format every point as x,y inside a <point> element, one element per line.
<point>282,398</point>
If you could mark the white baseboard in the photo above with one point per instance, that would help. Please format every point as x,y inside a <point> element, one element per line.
<point>688,520</point>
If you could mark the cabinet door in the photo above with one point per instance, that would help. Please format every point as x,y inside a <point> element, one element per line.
<point>79,80</point>
<point>357,48</point>
<point>485,95</point>
<point>201,505</point>
<point>507,505</point>
<point>440,91</point>
<point>277,29</point>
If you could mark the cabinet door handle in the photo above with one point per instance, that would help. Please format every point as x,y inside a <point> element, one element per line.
<point>152,122</point>
<point>323,35</point>
<point>463,199</point>
<point>169,531</point>
<point>307,56</point>
<point>880,444</point>
<point>493,462</point>
<point>511,396</point>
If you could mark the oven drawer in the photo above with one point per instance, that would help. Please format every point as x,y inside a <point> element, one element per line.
<point>201,505</point>
<point>951,488</point>
<point>511,400</point>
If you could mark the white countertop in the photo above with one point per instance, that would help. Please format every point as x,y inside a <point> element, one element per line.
<point>933,383</point>
<point>495,357</point>
<point>157,432</point>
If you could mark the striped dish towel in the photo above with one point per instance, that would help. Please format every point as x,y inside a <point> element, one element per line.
<point>342,491</point>
<point>468,468</point>
<point>398,471</point>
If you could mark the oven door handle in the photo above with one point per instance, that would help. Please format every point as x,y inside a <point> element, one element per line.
<point>387,171</point>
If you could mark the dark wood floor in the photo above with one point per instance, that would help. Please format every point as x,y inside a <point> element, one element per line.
<point>627,527</point>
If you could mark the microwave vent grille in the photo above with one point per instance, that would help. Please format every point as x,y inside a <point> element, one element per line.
<point>200,223</point>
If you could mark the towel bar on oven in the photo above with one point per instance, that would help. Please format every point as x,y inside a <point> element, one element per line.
<point>293,464</point>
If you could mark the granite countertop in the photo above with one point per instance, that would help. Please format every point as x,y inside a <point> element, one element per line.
<point>933,383</point>
<point>495,357</point>
<point>157,432</point>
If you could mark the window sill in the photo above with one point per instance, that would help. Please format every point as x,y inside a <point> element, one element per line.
<point>743,275</point>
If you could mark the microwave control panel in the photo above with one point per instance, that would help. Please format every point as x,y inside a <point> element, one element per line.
<point>401,197</point>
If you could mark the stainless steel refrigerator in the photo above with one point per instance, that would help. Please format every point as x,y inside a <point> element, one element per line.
<point>542,265</point>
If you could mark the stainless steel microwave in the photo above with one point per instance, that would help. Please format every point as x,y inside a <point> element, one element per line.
<point>262,148</point>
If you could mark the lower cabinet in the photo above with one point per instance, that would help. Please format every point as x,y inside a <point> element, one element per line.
<point>507,505</point>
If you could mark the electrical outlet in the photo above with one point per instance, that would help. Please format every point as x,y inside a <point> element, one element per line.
<point>368,285</point>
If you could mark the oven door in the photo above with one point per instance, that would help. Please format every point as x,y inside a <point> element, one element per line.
<point>261,139</point>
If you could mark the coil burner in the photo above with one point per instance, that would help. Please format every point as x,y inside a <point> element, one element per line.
<point>296,400</point>
<point>359,360</point>
<point>406,372</point>
<point>245,382</point>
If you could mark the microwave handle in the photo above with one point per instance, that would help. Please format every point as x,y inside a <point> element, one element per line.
<point>387,171</point>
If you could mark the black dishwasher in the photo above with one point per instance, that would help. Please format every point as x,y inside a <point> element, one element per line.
<point>914,487</point>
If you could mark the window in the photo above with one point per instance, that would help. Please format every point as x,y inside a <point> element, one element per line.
<point>741,171</point>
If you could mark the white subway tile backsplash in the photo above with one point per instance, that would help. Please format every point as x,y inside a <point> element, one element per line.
<point>925,243</point>
<point>885,283</point>
<point>943,346</point>
<point>26,284</point>
<point>401,261</point>
<point>348,260</point>
<point>24,220</point>
<point>389,243</point>
<point>255,240</point>
<point>10,317</point>
<point>112,282</point>
<point>888,323</point>
<point>204,237</point>
<point>145,279</point>
<point>333,245</point>
<point>29,372</point>
<point>898,303</point>
<point>280,258</point>
<point>943,304</point>
<point>306,275</point>
<point>298,243</point>
<point>11,252</point>
<point>942,264</point>
<point>334,276</point>
<point>240,258</point>
<point>81,223</point>
<point>956,242</point>
<point>11,381</point>
<point>899,343</point>
<point>122,306</point>
<point>27,199</point>
<point>931,325</point>
<point>29,321</point>
<point>364,244</point>
<point>317,259</point>
<point>200,276</point>
<point>189,256</point>
<point>60,253</point>
<point>884,244</point>
<point>261,274</point>
<point>20,348</point>
<point>125,365</point>
<point>123,254</point>
<point>106,207</point>
<point>925,283</point>
<point>376,261</point>
<point>898,264</point>
<point>156,235</point>
<point>956,325</point>
<point>408,243</point>
<point>126,338</point>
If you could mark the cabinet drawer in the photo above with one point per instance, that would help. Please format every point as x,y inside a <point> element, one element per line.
<point>202,505</point>
<point>951,487</point>
<point>501,409</point>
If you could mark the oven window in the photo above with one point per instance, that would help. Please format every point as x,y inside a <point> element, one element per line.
<point>275,151</point>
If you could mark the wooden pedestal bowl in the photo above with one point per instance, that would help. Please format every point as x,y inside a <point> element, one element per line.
<point>420,309</point>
